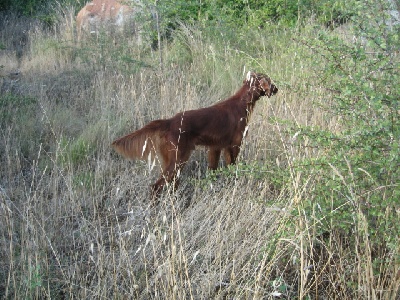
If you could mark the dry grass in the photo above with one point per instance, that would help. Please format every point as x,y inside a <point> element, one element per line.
<point>76,220</point>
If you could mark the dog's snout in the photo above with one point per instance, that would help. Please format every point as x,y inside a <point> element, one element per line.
<point>274,89</point>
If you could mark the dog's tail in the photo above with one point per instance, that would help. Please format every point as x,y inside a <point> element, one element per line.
<point>146,141</point>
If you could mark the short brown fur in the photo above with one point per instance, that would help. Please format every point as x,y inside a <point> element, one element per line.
<point>219,127</point>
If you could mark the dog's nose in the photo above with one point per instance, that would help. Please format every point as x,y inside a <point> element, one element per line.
<point>274,89</point>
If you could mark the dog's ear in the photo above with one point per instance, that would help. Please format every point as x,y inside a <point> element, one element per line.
<point>265,84</point>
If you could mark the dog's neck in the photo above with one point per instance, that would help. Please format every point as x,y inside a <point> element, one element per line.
<point>249,95</point>
<point>246,97</point>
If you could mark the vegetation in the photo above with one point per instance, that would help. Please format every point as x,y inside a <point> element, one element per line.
<point>310,211</point>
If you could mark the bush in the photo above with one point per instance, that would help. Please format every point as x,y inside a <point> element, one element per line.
<point>353,184</point>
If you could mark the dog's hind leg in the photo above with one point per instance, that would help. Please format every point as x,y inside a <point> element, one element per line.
<point>213,158</point>
<point>231,154</point>
<point>174,161</point>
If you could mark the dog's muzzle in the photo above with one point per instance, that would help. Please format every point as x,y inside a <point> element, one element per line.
<point>272,90</point>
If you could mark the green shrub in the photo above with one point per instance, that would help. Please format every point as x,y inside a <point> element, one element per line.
<point>355,181</point>
<point>35,7</point>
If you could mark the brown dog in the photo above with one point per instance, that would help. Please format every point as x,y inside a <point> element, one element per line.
<point>218,127</point>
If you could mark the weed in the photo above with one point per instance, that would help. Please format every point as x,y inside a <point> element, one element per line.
<point>310,211</point>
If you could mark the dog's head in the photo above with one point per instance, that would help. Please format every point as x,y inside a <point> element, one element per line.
<point>260,84</point>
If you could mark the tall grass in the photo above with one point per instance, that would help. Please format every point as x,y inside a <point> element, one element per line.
<point>76,220</point>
